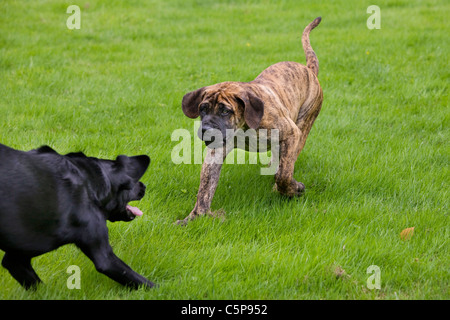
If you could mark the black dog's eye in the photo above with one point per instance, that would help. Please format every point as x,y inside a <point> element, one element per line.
<point>125,186</point>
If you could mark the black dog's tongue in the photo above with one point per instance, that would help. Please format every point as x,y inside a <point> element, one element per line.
<point>134,210</point>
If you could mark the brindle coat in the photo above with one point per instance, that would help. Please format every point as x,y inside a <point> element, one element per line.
<point>286,96</point>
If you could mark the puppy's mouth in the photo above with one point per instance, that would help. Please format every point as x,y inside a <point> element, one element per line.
<point>213,143</point>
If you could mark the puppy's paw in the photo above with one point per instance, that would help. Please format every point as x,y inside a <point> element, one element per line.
<point>182,223</point>
<point>300,188</point>
<point>185,221</point>
<point>293,189</point>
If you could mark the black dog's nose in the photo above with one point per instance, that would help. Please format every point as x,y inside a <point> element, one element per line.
<point>143,187</point>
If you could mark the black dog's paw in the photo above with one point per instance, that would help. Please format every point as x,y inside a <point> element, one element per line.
<point>149,285</point>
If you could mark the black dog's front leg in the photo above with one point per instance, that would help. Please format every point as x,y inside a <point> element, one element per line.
<point>106,262</point>
<point>20,268</point>
<point>109,264</point>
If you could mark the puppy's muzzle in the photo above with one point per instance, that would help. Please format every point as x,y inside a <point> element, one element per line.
<point>213,137</point>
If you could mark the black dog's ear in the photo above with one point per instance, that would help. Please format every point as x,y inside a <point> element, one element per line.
<point>135,167</point>
<point>253,109</point>
<point>191,101</point>
<point>76,155</point>
<point>46,149</point>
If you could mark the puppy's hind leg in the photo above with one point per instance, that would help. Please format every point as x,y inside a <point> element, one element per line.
<point>290,148</point>
<point>309,111</point>
<point>20,268</point>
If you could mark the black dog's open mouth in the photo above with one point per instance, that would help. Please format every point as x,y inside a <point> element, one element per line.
<point>133,211</point>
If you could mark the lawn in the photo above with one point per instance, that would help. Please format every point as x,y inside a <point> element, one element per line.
<point>375,163</point>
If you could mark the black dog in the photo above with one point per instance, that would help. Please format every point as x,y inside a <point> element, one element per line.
<point>48,200</point>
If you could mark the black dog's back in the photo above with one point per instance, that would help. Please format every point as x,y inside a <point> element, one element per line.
<point>28,192</point>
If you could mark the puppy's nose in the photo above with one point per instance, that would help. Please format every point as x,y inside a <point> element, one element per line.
<point>205,128</point>
<point>209,137</point>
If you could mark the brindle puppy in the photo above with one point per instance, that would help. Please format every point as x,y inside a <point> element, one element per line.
<point>286,96</point>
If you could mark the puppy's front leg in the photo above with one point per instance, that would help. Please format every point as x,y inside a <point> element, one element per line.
<point>209,178</point>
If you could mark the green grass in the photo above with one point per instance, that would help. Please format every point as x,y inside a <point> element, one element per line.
<point>376,161</point>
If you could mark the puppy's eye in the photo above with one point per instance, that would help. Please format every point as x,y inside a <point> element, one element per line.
<point>203,108</point>
<point>226,112</point>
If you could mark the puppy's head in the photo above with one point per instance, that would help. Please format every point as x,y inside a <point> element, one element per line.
<point>227,105</point>
<point>113,184</point>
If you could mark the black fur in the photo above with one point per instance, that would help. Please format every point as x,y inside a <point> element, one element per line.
<point>48,200</point>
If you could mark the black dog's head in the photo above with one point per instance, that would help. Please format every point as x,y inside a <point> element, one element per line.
<point>112,184</point>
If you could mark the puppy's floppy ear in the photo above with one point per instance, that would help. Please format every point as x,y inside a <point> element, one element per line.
<point>191,101</point>
<point>254,109</point>
<point>135,167</point>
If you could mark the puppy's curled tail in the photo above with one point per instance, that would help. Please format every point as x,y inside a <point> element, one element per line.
<point>311,59</point>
